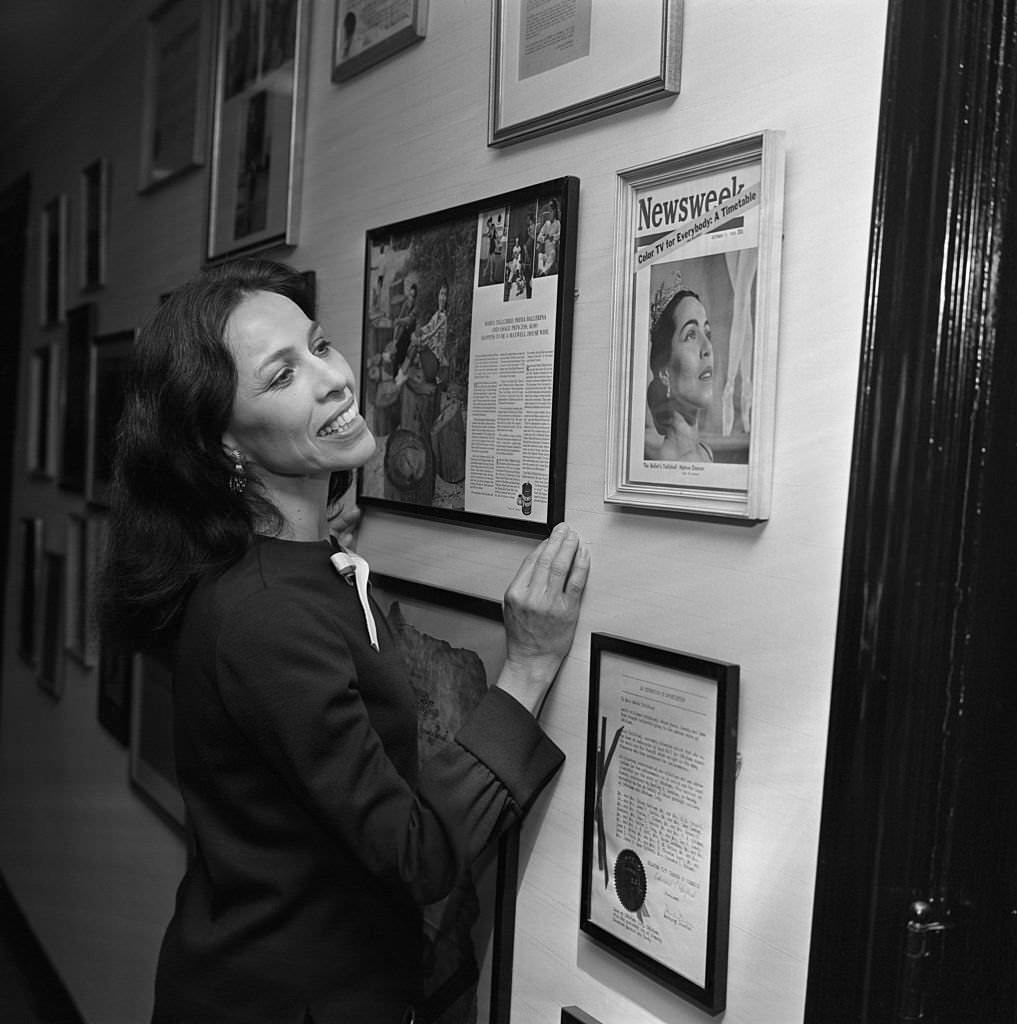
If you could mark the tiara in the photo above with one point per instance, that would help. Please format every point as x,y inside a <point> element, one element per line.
<point>666,291</point>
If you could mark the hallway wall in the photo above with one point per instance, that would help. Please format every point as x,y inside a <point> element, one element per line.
<point>91,866</point>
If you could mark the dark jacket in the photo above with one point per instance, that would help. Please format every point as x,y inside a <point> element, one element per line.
<point>316,834</point>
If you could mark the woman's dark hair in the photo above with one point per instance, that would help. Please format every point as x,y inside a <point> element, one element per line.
<point>173,515</point>
<point>662,331</point>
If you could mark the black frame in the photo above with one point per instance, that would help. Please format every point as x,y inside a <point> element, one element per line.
<point>95,196</point>
<point>506,867</point>
<point>573,1015</point>
<point>450,255</point>
<point>152,758</point>
<point>50,668</point>
<point>116,674</point>
<point>31,536</point>
<point>712,995</point>
<point>81,321</point>
<point>109,358</point>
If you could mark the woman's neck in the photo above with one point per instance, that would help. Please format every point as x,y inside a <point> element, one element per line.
<point>303,504</point>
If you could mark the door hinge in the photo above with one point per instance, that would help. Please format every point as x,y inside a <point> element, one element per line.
<point>923,946</point>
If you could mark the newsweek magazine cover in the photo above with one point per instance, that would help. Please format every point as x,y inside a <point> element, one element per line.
<point>695,258</point>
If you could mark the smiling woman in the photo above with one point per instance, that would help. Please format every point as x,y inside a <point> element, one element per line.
<point>318,833</point>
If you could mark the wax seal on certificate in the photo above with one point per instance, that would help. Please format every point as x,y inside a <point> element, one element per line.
<point>630,880</point>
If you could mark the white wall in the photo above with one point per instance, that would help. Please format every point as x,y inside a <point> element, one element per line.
<point>93,869</point>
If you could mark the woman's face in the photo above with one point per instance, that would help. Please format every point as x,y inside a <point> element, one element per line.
<point>294,413</point>
<point>690,369</point>
<point>442,297</point>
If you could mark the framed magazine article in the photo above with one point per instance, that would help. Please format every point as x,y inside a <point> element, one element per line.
<point>554,65</point>
<point>694,340</point>
<point>466,360</point>
<point>368,31</point>
<point>174,123</point>
<point>659,814</point>
<point>257,125</point>
<point>454,647</point>
<point>152,761</point>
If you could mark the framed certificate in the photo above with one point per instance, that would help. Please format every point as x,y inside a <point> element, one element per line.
<point>554,65</point>
<point>659,816</point>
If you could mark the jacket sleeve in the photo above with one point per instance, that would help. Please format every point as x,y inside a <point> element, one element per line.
<point>287,678</point>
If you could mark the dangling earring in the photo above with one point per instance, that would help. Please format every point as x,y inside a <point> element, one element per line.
<point>665,379</point>
<point>238,481</point>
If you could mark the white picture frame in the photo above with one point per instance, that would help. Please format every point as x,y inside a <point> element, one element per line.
<point>710,223</point>
<point>557,65</point>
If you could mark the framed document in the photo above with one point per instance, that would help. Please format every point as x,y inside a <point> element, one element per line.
<point>466,360</point>
<point>554,65</point>
<point>454,647</point>
<point>694,339</point>
<point>659,816</point>
<point>174,123</point>
<point>258,125</point>
<point>368,31</point>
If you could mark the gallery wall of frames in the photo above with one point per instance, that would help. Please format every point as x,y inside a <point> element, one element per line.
<point>574,252</point>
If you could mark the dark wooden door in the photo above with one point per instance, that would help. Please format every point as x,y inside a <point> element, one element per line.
<point>915,915</point>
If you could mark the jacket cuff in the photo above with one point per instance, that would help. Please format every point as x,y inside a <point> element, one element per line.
<point>506,738</point>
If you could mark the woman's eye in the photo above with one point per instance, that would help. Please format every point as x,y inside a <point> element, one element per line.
<point>282,378</point>
<point>321,346</point>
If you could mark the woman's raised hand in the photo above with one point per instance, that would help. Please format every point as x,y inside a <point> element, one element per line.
<point>541,608</point>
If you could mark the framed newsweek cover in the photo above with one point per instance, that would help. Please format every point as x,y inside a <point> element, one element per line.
<point>466,360</point>
<point>694,344</point>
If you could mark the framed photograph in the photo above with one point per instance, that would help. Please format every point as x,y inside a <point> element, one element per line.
<point>258,125</point>
<point>81,322</point>
<point>113,709</point>
<point>51,647</point>
<point>95,186</point>
<point>53,257</point>
<point>177,78</point>
<point>80,640</point>
<point>558,65</point>
<point>30,604</point>
<point>110,357</point>
<point>659,815</point>
<point>43,411</point>
<point>466,360</point>
<point>152,760</point>
<point>694,340</point>
<point>368,31</point>
<point>454,647</point>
